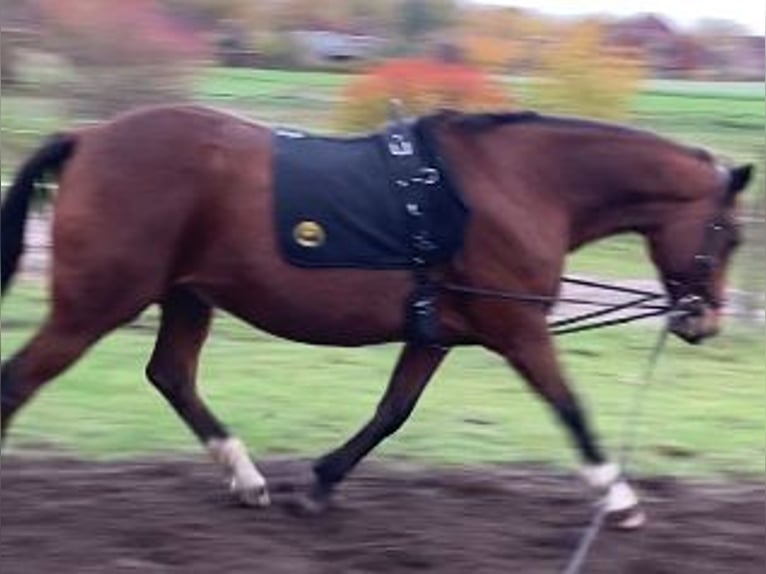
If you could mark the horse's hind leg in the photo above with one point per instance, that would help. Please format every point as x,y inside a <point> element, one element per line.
<point>56,346</point>
<point>75,322</point>
<point>172,370</point>
<point>414,369</point>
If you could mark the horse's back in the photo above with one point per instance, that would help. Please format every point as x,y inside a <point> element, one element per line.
<point>141,187</point>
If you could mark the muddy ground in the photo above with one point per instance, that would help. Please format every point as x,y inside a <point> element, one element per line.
<point>61,515</point>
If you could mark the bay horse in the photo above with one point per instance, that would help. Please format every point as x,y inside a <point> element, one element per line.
<point>174,206</point>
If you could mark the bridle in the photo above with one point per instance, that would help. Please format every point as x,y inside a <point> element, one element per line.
<point>643,303</point>
<point>693,292</point>
<point>718,233</point>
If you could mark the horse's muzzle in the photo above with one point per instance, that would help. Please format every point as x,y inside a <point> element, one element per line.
<point>694,320</point>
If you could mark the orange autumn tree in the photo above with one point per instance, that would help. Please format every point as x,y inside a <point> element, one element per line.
<point>581,74</point>
<point>490,37</point>
<point>423,85</point>
<point>121,54</point>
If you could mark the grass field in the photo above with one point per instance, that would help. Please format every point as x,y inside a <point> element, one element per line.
<point>704,415</point>
<point>728,117</point>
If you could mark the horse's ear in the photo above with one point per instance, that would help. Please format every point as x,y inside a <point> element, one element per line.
<point>739,177</point>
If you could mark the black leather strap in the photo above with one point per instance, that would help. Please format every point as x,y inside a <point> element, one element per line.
<point>412,179</point>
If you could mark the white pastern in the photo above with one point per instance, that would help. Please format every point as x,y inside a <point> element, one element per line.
<point>620,496</point>
<point>601,476</point>
<point>621,503</point>
<point>246,481</point>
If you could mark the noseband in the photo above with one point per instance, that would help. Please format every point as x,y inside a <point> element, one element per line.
<point>694,293</point>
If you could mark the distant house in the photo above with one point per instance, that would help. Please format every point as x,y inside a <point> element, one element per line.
<point>670,53</point>
<point>640,30</point>
<point>746,57</point>
<point>667,52</point>
<point>326,44</point>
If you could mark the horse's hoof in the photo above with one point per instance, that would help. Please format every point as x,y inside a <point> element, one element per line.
<point>305,505</point>
<point>312,503</point>
<point>627,520</point>
<point>255,496</point>
<point>623,508</point>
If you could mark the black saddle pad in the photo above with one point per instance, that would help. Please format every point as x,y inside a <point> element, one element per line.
<point>337,205</point>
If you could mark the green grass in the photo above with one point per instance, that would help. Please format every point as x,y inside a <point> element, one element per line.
<point>277,97</point>
<point>24,122</point>
<point>704,415</point>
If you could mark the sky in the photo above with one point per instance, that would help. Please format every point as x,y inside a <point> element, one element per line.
<point>750,13</point>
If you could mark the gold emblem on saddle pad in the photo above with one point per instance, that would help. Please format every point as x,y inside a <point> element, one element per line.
<point>308,234</point>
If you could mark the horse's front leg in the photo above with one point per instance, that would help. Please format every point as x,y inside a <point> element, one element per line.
<point>413,370</point>
<point>532,352</point>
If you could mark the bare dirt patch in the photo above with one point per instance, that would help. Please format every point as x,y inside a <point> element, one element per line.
<point>170,516</point>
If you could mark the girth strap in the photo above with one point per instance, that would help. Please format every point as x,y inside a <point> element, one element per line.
<point>411,179</point>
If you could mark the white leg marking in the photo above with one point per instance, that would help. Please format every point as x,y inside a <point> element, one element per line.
<point>246,481</point>
<point>601,476</point>
<point>621,498</point>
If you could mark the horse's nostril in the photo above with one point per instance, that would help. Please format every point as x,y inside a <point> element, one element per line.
<point>679,322</point>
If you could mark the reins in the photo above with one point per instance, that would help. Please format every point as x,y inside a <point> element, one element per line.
<point>643,302</point>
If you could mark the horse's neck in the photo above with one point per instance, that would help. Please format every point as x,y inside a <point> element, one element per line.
<point>618,199</point>
<point>591,221</point>
<point>585,183</point>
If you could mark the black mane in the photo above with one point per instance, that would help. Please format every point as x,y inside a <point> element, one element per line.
<point>486,121</point>
<point>489,120</point>
<point>483,121</point>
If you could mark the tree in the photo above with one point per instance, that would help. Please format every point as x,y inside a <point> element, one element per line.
<point>419,17</point>
<point>502,39</point>
<point>123,54</point>
<point>580,75</point>
<point>423,85</point>
<point>490,37</point>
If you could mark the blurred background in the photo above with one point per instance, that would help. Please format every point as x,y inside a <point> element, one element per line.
<point>332,66</point>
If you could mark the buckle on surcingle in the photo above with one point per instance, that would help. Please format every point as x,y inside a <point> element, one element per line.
<point>426,176</point>
<point>422,327</point>
<point>398,146</point>
<point>413,178</point>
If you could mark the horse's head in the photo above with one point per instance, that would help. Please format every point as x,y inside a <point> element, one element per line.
<point>692,249</point>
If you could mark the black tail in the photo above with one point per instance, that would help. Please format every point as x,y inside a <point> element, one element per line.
<point>48,159</point>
